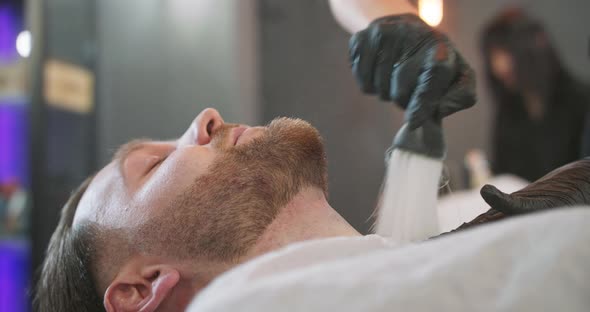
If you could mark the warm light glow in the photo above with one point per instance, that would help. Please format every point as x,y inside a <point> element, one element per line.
<point>431,11</point>
<point>23,43</point>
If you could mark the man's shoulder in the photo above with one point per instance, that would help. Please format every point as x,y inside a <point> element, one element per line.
<point>339,274</point>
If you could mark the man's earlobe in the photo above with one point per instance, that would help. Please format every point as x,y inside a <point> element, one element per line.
<point>142,290</point>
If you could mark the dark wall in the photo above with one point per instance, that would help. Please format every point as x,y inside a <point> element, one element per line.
<point>63,143</point>
<point>162,62</point>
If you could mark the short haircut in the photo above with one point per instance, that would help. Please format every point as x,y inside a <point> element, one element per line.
<point>66,282</point>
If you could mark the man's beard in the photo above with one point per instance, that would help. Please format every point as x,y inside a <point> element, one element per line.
<point>222,215</point>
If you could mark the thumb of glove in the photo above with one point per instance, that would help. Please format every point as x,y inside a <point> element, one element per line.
<point>566,186</point>
<point>510,204</point>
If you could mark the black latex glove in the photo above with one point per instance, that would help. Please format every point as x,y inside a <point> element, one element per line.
<point>563,187</point>
<point>402,59</point>
<point>427,140</point>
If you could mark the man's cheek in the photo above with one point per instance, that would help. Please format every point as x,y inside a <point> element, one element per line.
<point>184,168</point>
<point>167,182</point>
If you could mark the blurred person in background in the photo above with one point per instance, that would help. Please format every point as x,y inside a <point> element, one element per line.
<point>541,120</point>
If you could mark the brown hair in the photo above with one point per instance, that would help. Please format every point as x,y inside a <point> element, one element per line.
<point>66,282</point>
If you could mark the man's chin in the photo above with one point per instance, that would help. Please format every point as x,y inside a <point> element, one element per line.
<point>290,146</point>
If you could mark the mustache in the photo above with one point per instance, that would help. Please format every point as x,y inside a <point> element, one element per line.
<point>219,136</point>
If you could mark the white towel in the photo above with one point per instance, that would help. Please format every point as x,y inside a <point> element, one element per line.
<point>538,262</point>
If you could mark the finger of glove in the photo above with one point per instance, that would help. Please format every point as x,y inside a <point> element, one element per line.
<point>363,57</point>
<point>434,80</point>
<point>513,204</point>
<point>384,67</point>
<point>497,199</point>
<point>404,79</point>
<point>461,94</point>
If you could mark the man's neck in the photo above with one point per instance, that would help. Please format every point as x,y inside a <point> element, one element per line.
<point>307,216</point>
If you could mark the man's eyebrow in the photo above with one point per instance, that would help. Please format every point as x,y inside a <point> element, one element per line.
<point>126,149</point>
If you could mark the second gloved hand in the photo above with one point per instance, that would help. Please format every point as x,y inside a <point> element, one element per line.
<point>402,59</point>
<point>566,186</point>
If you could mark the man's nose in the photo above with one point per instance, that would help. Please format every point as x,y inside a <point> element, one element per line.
<point>199,132</point>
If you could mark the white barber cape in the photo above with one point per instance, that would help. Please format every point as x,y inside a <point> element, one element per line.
<point>538,262</point>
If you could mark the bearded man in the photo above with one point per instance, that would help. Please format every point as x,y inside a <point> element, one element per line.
<point>235,218</point>
<point>175,214</point>
<point>164,219</point>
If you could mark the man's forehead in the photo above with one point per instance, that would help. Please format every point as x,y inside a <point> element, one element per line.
<point>106,189</point>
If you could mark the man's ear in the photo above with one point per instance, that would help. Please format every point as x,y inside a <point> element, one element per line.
<point>140,289</point>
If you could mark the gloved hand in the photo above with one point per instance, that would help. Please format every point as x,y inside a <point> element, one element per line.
<point>402,59</point>
<point>567,186</point>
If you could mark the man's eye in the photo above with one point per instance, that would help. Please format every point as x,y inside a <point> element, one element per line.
<point>153,162</point>
<point>157,163</point>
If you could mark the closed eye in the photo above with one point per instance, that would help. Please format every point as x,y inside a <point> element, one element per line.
<point>158,160</point>
<point>157,163</point>
<point>153,163</point>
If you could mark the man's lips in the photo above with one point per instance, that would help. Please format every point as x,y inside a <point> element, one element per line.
<point>237,133</point>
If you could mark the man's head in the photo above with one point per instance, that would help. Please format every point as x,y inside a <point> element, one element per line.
<point>164,218</point>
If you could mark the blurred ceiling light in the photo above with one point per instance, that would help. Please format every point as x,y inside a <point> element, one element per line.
<point>431,11</point>
<point>23,43</point>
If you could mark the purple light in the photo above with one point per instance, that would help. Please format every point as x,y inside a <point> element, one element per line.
<point>14,276</point>
<point>9,29</point>
<point>14,140</point>
<point>14,255</point>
